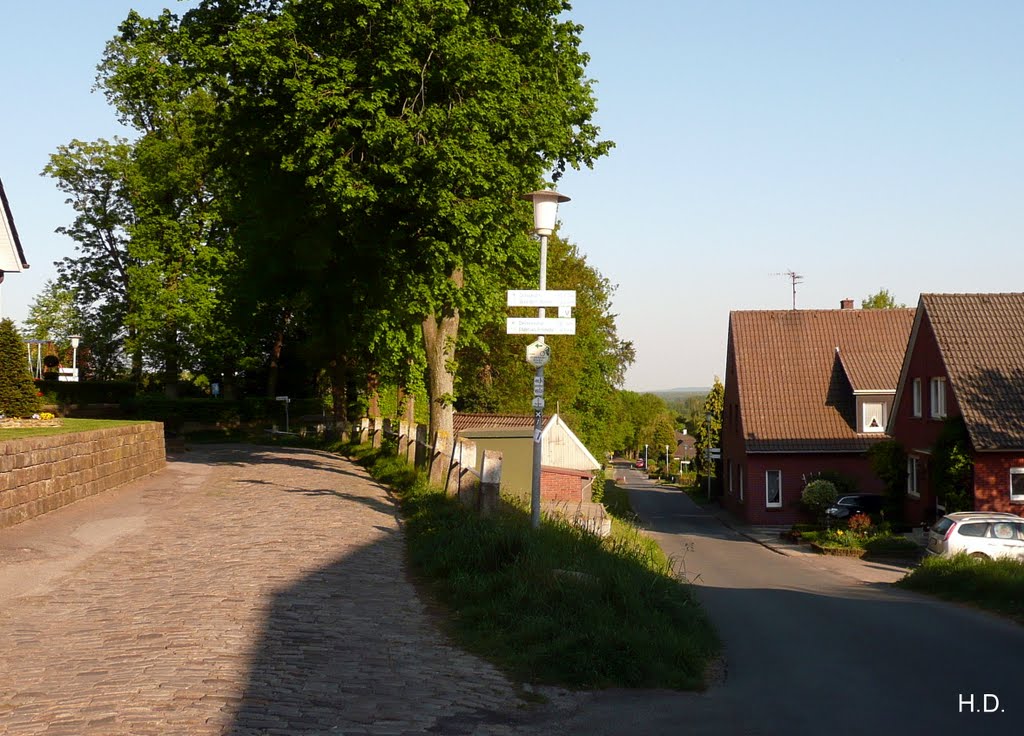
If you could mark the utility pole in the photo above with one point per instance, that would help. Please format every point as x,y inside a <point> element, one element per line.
<point>795,278</point>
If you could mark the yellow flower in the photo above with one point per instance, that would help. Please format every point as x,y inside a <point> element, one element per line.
<point>840,532</point>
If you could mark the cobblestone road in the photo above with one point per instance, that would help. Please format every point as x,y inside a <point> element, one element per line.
<point>241,591</point>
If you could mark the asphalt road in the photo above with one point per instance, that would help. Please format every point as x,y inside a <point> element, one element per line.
<point>813,651</point>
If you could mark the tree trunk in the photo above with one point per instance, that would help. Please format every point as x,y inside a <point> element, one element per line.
<point>339,396</point>
<point>373,389</point>
<point>439,337</point>
<point>275,356</point>
<point>172,365</point>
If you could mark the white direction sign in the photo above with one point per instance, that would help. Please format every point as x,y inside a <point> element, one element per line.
<point>538,354</point>
<point>537,298</point>
<point>538,403</point>
<point>540,326</point>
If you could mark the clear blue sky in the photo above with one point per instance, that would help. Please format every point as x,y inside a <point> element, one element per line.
<point>864,145</point>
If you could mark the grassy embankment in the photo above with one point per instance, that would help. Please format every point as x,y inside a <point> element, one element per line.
<point>556,605</point>
<point>994,585</point>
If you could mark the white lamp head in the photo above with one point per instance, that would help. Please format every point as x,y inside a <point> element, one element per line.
<point>545,209</point>
<point>75,339</point>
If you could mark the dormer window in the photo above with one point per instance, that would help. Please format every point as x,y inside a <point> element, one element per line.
<point>874,416</point>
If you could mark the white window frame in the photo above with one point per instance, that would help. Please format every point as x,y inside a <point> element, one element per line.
<point>865,418</point>
<point>1016,497</point>
<point>768,504</point>
<point>937,405</point>
<point>912,471</point>
<point>916,392</point>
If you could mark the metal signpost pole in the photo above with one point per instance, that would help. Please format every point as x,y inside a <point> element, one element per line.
<point>538,406</point>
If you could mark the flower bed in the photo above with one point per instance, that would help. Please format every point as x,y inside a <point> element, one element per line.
<point>52,421</point>
<point>838,551</point>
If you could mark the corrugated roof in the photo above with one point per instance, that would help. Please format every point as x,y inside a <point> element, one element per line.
<point>463,422</point>
<point>796,390</point>
<point>981,339</point>
<point>12,257</point>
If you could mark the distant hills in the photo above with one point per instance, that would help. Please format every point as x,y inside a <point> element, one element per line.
<point>679,393</point>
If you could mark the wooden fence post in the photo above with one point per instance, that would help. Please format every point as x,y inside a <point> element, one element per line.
<point>490,482</point>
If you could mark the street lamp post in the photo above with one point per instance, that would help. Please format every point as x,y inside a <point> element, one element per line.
<point>545,212</point>
<point>75,340</point>
<point>646,468</point>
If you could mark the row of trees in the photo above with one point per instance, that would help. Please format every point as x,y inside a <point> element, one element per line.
<point>328,196</point>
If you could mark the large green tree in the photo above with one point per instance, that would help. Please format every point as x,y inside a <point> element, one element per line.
<point>709,430</point>
<point>415,127</point>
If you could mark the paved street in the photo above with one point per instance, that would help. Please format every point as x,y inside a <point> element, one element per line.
<point>242,591</point>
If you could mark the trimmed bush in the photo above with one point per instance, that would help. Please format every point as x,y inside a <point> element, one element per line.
<point>818,495</point>
<point>18,394</point>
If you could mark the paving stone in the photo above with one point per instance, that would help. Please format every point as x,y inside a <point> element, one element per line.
<point>265,593</point>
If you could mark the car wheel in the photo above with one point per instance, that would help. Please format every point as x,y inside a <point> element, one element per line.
<point>980,556</point>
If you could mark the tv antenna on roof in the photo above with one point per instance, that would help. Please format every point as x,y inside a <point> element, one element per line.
<point>795,278</point>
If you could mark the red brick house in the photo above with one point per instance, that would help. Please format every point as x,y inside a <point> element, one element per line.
<point>806,391</point>
<point>965,359</point>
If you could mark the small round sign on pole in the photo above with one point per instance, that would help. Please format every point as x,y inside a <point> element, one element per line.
<point>538,354</point>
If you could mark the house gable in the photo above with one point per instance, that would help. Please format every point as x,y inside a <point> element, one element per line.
<point>12,257</point>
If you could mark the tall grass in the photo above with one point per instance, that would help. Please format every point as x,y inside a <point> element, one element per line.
<point>556,605</point>
<point>995,585</point>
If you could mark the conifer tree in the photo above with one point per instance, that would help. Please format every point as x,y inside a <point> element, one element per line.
<point>18,395</point>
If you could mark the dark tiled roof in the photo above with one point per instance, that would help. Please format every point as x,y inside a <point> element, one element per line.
<point>463,422</point>
<point>5,212</point>
<point>796,391</point>
<point>981,338</point>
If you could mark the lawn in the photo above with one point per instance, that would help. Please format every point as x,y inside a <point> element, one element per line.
<point>69,426</point>
<point>556,605</point>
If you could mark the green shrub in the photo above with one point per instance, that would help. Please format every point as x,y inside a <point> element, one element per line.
<point>83,393</point>
<point>18,394</point>
<point>818,495</point>
<point>996,585</point>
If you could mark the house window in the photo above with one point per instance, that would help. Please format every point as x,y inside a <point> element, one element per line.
<point>1016,485</point>
<point>912,489</point>
<point>730,477</point>
<point>740,470</point>
<point>874,416</point>
<point>917,397</point>
<point>938,398</point>
<point>773,489</point>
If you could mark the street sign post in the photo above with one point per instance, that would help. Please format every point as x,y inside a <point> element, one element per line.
<point>540,326</point>
<point>535,298</point>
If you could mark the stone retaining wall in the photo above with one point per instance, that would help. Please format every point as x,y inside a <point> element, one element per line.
<point>40,474</point>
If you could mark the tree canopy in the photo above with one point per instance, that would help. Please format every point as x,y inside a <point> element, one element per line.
<point>882,300</point>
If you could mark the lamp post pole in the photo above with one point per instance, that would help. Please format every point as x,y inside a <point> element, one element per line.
<point>545,210</point>
<point>75,339</point>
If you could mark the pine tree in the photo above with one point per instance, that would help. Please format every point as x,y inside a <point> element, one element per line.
<point>18,395</point>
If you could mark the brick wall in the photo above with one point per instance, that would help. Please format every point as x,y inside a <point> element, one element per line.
<point>40,474</point>
<point>565,486</point>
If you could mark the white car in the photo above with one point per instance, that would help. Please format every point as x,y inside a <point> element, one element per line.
<point>982,535</point>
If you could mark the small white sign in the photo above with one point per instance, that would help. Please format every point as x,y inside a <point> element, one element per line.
<point>281,398</point>
<point>538,354</point>
<point>538,403</point>
<point>540,326</point>
<point>537,298</point>
<point>538,386</point>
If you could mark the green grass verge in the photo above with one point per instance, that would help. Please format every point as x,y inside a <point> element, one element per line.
<point>995,585</point>
<point>69,426</point>
<point>556,605</point>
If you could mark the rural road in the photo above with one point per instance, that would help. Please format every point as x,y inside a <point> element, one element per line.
<point>811,649</point>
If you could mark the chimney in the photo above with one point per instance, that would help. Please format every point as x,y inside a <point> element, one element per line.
<point>846,304</point>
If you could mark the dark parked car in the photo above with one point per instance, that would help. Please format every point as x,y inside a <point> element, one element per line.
<point>857,503</point>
